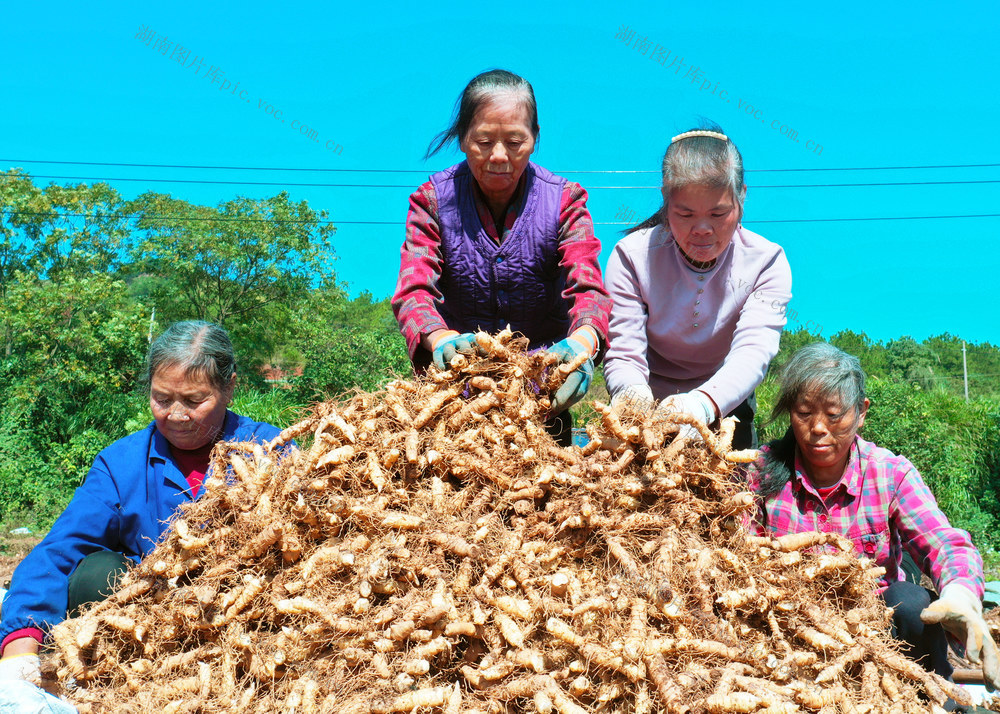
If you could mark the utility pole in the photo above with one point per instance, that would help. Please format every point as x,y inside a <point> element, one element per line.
<point>965,372</point>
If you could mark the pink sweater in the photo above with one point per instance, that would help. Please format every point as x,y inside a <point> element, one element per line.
<point>676,328</point>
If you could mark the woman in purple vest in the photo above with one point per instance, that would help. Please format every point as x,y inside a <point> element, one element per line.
<point>497,240</point>
<point>699,301</point>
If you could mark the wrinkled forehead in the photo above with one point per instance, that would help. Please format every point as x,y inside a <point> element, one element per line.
<point>829,397</point>
<point>703,196</point>
<point>182,375</point>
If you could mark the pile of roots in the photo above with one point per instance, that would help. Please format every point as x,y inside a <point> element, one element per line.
<point>433,549</point>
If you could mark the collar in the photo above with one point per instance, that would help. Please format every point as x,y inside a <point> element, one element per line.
<point>851,480</point>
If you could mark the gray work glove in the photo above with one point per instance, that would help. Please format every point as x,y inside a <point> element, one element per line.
<point>960,612</point>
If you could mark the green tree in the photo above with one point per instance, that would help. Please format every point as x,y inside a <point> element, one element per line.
<point>346,344</point>
<point>243,265</point>
<point>68,385</point>
<point>58,230</point>
<point>913,361</point>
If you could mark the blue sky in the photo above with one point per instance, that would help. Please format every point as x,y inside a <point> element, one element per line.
<point>874,85</point>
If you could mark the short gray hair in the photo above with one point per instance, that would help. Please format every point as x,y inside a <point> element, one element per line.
<point>199,347</point>
<point>481,90</point>
<point>822,368</point>
<point>700,161</point>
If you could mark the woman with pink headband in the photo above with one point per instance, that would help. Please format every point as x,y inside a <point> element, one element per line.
<point>698,300</point>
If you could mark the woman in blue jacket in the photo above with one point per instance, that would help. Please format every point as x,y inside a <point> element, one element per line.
<point>131,492</point>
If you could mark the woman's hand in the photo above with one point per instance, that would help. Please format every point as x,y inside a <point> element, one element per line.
<point>694,404</point>
<point>445,344</point>
<point>960,612</point>
<point>582,342</point>
<point>20,661</point>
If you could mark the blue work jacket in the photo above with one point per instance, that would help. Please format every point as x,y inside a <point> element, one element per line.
<point>125,504</point>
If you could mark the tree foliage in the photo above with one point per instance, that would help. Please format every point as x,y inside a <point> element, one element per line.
<point>72,353</point>
<point>79,293</point>
<point>242,265</point>
<point>42,234</point>
<point>82,274</point>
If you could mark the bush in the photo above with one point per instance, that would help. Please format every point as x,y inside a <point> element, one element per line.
<point>952,443</point>
<point>346,359</point>
<point>274,406</point>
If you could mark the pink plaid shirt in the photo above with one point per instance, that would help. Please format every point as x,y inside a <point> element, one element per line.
<point>417,296</point>
<point>882,505</point>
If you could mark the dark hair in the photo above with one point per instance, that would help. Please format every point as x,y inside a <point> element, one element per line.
<point>485,88</point>
<point>199,347</point>
<point>699,161</point>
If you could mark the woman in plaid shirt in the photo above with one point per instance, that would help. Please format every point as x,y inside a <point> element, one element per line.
<point>497,240</point>
<point>822,476</point>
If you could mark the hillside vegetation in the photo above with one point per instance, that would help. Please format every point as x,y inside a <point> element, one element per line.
<point>86,277</point>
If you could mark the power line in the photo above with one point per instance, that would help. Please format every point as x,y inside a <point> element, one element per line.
<point>410,186</point>
<point>880,218</point>
<point>181,218</point>
<point>423,171</point>
<point>401,223</point>
<point>227,183</point>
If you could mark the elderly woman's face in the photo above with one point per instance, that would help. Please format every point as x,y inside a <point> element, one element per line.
<point>497,147</point>
<point>824,433</point>
<point>702,220</point>
<point>189,410</point>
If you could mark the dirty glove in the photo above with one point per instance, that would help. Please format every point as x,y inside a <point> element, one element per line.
<point>583,341</point>
<point>22,666</point>
<point>694,404</point>
<point>636,395</point>
<point>449,345</point>
<point>960,612</point>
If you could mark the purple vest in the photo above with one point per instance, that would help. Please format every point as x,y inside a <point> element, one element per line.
<point>519,282</point>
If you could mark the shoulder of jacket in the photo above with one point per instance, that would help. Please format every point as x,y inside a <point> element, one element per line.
<point>542,174</point>
<point>245,426</point>
<point>450,173</point>
<point>758,243</point>
<point>872,454</point>
<point>130,442</point>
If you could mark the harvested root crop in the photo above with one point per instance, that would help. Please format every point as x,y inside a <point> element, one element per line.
<point>430,548</point>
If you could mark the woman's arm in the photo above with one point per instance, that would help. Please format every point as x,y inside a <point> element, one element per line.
<point>757,335</point>
<point>421,263</point>
<point>579,250</point>
<point>20,646</point>
<point>943,552</point>
<point>38,595</point>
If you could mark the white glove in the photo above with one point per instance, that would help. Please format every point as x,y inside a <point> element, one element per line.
<point>636,395</point>
<point>24,698</point>
<point>960,612</point>
<point>694,404</point>
<point>23,666</point>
